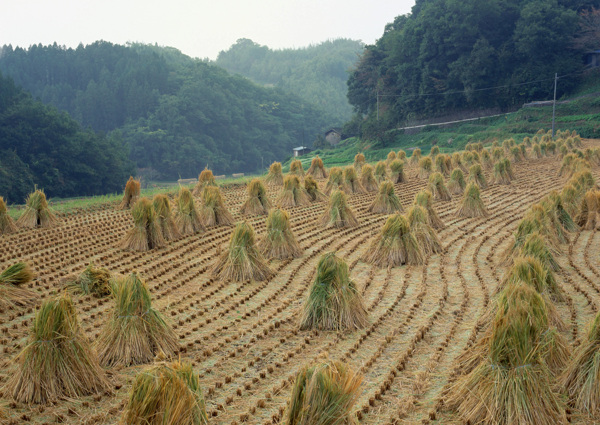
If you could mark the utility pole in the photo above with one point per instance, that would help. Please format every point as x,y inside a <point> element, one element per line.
<point>554,103</point>
<point>377,105</point>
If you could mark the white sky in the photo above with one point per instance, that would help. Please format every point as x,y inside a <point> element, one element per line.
<point>198,28</point>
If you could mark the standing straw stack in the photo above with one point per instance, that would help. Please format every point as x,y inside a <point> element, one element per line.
<point>457,184</point>
<point>338,214</point>
<point>333,302</point>
<point>425,168</point>
<point>437,186</point>
<point>165,219</point>
<point>205,179</point>
<point>213,211</point>
<point>394,246</point>
<point>390,157</point>
<point>386,201</point>
<point>476,176</point>
<point>146,233</point>
<point>317,168</point>
<point>242,260</point>
<point>397,174</point>
<point>292,194</point>
<point>312,188</point>
<point>296,168</point>
<point>12,281</point>
<point>424,234</point>
<point>589,209</point>
<point>275,176</point>
<point>166,394</point>
<point>92,281</point>
<point>335,181</point>
<point>359,162</point>
<point>279,241</point>
<point>472,205</point>
<point>415,157</point>
<point>351,183</point>
<point>187,217</point>
<point>37,212</point>
<point>131,193</point>
<point>502,172</point>
<point>424,199</point>
<point>367,179</point>
<point>257,202</point>
<point>7,225</point>
<point>135,332</point>
<point>380,171</point>
<point>57,361</point>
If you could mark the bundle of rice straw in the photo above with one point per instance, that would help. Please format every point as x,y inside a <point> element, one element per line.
<point>292,194</point>
<point>567,164</point>
<point>213,211</point>
<point>386,201</point>
<point>359,161</point>
<point>380,171</point>
<point>476,175</point>
<point>497,154</point>
<point>534,245</point>
<point>57,361</point>
<point>571,198</point>
<point>92,281</point>
<point>279,241</point>
<point>397,174</point>
<point>441,164</point>
<point>501,174</point>
<point>146,233</point>
<point>516,154</point>
<point>486,159</point>
<point>7,225</point>
<point>457,184</point>
<point>131,193</point>
<point>187,217</point>
<point>275,176</point>
<point>166,394</point>
<point>390,157</point>
<point>367,179</point>
<point>532,271</point>
<point>457,161</point>
<point>165,219</point>
<point>242,260</point>
<point>351,182</point>
<point>435,151</point>
<point>205,179</point>
<point>336,180</point>
<point>296,168</point>
<point>135,332</point>
<point>424,199</point>
<point>11,291</point>
<point>589,209</point>
<point>257,202</point>
<point>472,204</point>
<point>535,220</point>
<point>437,187</point>
<point>394,246</point>
<point>401,155</point>
<point>324,394</point>
<point>536,151</point>
<point>561,220</point>
<point>425,167</point>
<point>334,303</point>
<point>312,188</point>
<point>37,212</point>
<point>338,214</point>
<point>415,157</point>
<point>317,168</point>
<point>426,237</point>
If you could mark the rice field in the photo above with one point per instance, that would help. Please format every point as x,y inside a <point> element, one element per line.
<point>244,339</point>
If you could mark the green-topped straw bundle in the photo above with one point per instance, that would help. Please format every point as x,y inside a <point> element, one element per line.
<point>563,151</point>
<point>296,168</point>
<point>359,162</point>
<point>134,332</point>
<point>57,361</point>
<point>324,394</point>
<point>338,214</point>
<point>571,198</point>
<point>279,241</point>
<point>213,211</point>
<point>535,220</point>
<point>187,217</point>
<point>386,201</point>
<point>92,280</point>
<point>457,160</point>
<point>457,184</point>
<point>292,194</point>
<point>550,148</point>
<point>567,164</point>
<point>401,155</point>
<point>146,233</point>
<point>441,164</point>
<point>12,292</point>
<point>205,179</point>
<point>351,182</point>
<point>390,157</point>
<point>415,157</point>
<point>275,176</point>
<point>242,260</point>
<point>438,188</point>
<point>516,154</point>
<point>395,245</point>
<point>425,167</point>
<point>37,212</point>
<point>367,179</point>
<point>427,239</point>
<point>497,154</point>
<point>534,245</point>
<point>257,202</point>
<point>533,272</point>
<point>380,171</point>
<point>312,188</point>
<point>164,217</point>
<point>472,205</point>
<point>166,394</point>
<point>486,159</point>
<point>424,198</point>
<point>476,175</point>
<point>131,193</point>
<point>588,210</point>
<point>335,181</point>
<point>7,224</point>
<point>435,151</point>
<point>397,174</point>
<point>561,220</point>
<point>501,174</point>
<point>334,303</point>
<point>317,168</point>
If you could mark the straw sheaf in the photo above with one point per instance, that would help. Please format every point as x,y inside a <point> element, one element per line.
<point>93,280</point>
<point>338,214</point>
<point>425,167</point>
<point>275,175</point>
<point>213,211</point>
<point>394,246</point>
<point>12,290</point>
<point>335,181</point>
<point>380,171</point>
<point>367,179</point>
<point>359,162</point>
<point>437,187</point>
<point>476,176</point>
<point>131,193</point>
<point>205,179</point>
<point>317,168</point>
<point>457,184</point>
<point>587,217</point>
<point>146,233</point>
<point>397,174</point>
<point>279,241</point>
<point>292,194</point>
<point>426,237</point>
<point>187,217</point>
<point>390,157</point>
<point>257,202</point>
<point>386,201</point>
<point>312,188</point>
<point>472,205</point>
<point>7,224</point>
<point>424,199</point>
<point>165,219</point>
<point>415,157</point>
<point>37,213</point>
<point>351,183</point>
<point>296,168</point>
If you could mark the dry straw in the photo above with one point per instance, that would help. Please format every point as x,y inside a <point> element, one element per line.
<point>338,214</point>
<point>424,199</point>
<point>335,181</point>
<point>562,221</point>
<point>457,161</point>
<point>588,210</point>
<point>425,167</point>
<point>131,193</point>
<point>92,281</point>
<point>501,173</point>
<point>438,188</point>
<point>292,194</point>
<point>386,201</point>
<point>135,332</point>
<point>415,157</point>
<point>534,245</point>
<point>367,179</point>
<point>213,211</point>
<point>359,162</point>
<point>205,179</point>
<point>166,394</point>
<point>486,159</point>
<point>397,174</point>
<point>146,233</point>
<point>390,157</point>
<point>57,361</point>
<point>257,202</point>
<point>324,394</point>
<point>351,183</point>
<point>435,151</point>
<point>401,155</point>
<point>395,245</point>
<point>472,205</point>
<point>7,224</point>
<point>37,212</point>
<point>426,237</point>
<point>441,164</point>
<point>279,241</point>
<point>317,168</point>
<point>242,260</point>
<point>334,303</point>
<point>296,168</point>
<point>533,272</point>
<point>275,176</point>
<point>187,217</point>
<point>380,171</point>
<point>312,188</point>
<point>12,292</point>
<point>164,217</point>
<point>476,175</point>
<point>457,184</point>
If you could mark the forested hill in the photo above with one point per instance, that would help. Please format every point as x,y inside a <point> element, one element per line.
<point>316,73</point>
<point>446,54</point>
<point>175,114</point>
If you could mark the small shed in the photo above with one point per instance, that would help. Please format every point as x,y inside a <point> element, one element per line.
<point>333,136</point>
<point>301,150</point>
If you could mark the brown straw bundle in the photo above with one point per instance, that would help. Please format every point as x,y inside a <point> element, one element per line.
<point>131,193</point>
<point>145,234</point>
<point>279,241</point>
<point>213,211</point>
<point>338,214</point>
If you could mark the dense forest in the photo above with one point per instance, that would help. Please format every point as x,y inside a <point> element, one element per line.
<point>174,114</point>
<point>41,145</point>
<point>317,74</point>
<point>447,54</point>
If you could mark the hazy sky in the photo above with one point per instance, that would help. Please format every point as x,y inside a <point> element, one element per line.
<point>198,28</point>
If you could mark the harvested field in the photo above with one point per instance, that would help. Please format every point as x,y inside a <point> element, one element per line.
<point>243,338</point>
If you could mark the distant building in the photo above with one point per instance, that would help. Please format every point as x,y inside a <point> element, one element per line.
<point>301,150</point>
<point>592,58</point>
<point>333,136</point>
